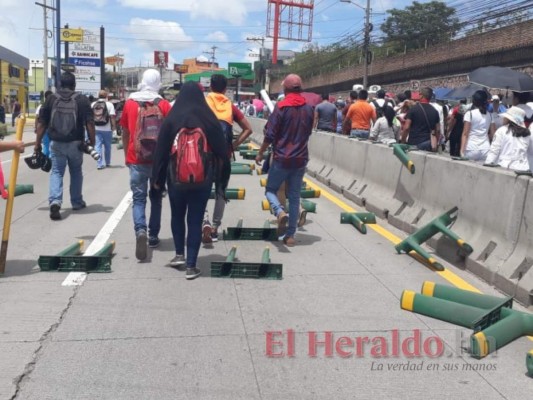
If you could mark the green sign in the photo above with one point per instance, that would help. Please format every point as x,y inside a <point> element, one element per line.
<point>239,69</point>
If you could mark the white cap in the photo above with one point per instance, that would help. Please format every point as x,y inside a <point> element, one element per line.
<point>496,97</point>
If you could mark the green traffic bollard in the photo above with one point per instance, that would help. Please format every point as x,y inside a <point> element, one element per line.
<point>107,250</point>
<point>512,325</point>
<point>231,255</point>
<point>232,194</point>
<point>21,189</point>
<point>241,170</point>
<point>49,263</point>
<point>358,220</point>
<point>399,150</point>
<point>245,147</point>
<point>461,296</point>
<point>445,310</point>
<point>308,205</point>
<point>265,257</point>
<point>309,193</point>
<point>529,363</point>
<point>249,165</point>
<point>439,224</point>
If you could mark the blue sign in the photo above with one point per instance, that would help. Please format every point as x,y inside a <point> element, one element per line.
<point>85,62</point>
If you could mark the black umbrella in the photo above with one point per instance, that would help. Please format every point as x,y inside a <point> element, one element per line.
<point>502,78</point>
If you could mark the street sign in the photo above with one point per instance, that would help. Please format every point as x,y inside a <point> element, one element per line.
<point>161,58</point>
<point>72,35</point>
<point>84,62</point>
<point>239,69</point>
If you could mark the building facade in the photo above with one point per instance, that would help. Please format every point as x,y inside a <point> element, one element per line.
<point>13,78</point>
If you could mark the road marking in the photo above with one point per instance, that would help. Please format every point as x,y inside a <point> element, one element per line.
<point>77,278</point>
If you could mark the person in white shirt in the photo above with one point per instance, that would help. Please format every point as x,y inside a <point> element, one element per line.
<point>512,142</point>
<point>105,126</point>
<point>478,129</point>
<point>386,128</point>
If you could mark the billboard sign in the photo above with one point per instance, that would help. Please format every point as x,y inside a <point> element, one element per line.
<point>85,56</point>
<point>239,69</point>
<point>72,35</point>
<point>181,68</point>
<point>161,59</point>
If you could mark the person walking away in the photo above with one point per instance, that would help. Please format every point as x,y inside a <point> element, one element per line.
<point>380,102</point>
<point>66,115</point>
<point>141,122</point>
<point>106,126</point>
<point>422,125</point>
<point>386,128</point>
<point>455,128</point>
<point>512,142</point>
<point>362,115</point>
<point>227,113</point>
<point>325,116</point>
<point>191,155</point>
<point>340,106</point>
<point>478,129</point>
<point>16,112</point>
<point>288,130</point>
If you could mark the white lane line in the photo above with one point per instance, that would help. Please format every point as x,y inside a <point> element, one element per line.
<point>77,278</point>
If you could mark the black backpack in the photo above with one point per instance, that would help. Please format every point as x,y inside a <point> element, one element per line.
<point>100,113</point>
<point>380,111</point>
<point>64,118</point>
<point>227,128</point>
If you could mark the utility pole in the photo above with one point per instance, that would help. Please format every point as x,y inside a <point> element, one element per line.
<point>45,42</point>
<point>58,43</point>
<point>212,58</point>
<point>367,43</point>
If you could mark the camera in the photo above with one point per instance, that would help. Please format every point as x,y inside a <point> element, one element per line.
<point>88,149</point>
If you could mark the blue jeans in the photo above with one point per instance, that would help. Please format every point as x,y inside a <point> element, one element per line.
<point>425,145</point>
<point>103,138</point>
<point>359,133</point>
<point>140,175</point>
<point>192,203</point>
<point>294,178</point>
<point>63,153</point>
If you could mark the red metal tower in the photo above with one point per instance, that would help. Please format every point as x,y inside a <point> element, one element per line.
<point>289,14</point>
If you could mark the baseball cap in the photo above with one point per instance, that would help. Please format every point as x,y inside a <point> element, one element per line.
<point>495,97</point>
<point>292,82</point>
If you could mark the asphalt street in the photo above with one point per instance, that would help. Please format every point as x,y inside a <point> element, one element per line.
<point>144,332</point>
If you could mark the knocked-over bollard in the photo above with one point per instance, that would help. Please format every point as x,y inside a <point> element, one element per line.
<point>51,263</point>
<point>358,220</point>
<point>440,224</point>
<point>231,193</point>
<point>258,270</point>
<point>400,151</point>
<point>21,189</point>
<point>493,320</point>
<point>242,169</point>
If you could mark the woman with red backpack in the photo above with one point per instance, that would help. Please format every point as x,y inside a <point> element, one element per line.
<point>191,154</point>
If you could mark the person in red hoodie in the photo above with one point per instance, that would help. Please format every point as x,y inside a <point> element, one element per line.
<point>288,130</point>
<point>227,113</point>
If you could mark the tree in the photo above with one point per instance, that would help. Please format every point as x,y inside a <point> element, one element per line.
<point>420,25</point>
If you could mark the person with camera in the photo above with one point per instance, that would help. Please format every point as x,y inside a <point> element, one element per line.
<point>66,114</point>
<point>105,126</point>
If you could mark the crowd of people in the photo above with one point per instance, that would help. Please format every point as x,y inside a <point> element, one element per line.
<point>480,128</point>
<point>185,148</point>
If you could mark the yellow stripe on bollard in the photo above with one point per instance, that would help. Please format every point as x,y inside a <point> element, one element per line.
<point>265,205</point>
<point>407,300</point>
<point>482,343</point>
<point>410,166</point>
<point>428,288</point>
<point>241,193</point>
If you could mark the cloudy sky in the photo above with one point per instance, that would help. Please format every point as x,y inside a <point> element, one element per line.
<point>184,28</point>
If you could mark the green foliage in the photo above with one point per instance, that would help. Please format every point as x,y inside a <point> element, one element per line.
<point>420,24</point>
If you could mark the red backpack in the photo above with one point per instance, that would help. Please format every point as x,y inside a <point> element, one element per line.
<point>191,157</point>
<point>149,121</point>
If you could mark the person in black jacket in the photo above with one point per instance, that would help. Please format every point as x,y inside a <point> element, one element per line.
<point>190,111</point>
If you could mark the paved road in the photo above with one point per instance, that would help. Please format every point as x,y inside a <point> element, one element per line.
<point>144,332</point>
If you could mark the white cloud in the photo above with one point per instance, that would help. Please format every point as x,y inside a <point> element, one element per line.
<point>217,36</point>
<point>159,35</point>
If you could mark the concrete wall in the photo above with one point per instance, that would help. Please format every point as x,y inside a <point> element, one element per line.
<point>495,206</point>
